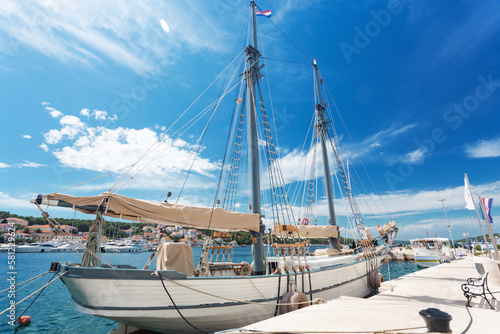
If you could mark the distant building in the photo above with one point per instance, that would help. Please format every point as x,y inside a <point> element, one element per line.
<point>43,237</point>
<point>4,227</point>
<point>176,234</point>
<point>43,228</point>
<point>167,239</point>
<point>17,221</point>
<point>21,235</point>
<point>68,229</point>
<point>129,231</point>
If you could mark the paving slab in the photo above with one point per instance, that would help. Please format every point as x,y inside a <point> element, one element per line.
<point>396,308</point>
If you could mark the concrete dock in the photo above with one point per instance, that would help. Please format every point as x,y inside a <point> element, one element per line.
<point>396,308</point>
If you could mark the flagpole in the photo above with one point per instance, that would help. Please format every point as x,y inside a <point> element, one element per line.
<point>448,224</point>
<point>487,219</point>
<point>478,218</point>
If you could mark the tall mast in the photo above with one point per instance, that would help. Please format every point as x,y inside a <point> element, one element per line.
<point>322,129</point>
<point>252,75</point>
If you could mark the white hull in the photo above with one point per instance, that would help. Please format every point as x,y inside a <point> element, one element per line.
<point>427,261</point>
<point>429,252</point>
<point>132,249</point>
<point>111,249</point>
<point>68,248</point>
<point>34,249</point>
<point>137,298</point>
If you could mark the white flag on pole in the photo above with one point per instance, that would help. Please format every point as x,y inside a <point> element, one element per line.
<point>468,196</point>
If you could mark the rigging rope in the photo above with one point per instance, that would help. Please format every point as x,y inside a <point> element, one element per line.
<point>357,152</point>
<point>309,60</point>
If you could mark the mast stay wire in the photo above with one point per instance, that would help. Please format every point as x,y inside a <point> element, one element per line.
<point>159,141</point>
<point>311,126</point>
<point>221,96</point>
<point>202,136</point>
<point>309,60</point>
<point>356,149</point>
<point>355,170</point>
<point>234,111</point>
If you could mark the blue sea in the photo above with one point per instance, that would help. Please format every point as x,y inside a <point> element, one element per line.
<point>52,311</point>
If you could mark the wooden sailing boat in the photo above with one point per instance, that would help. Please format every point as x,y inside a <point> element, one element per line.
<point>218,295</point>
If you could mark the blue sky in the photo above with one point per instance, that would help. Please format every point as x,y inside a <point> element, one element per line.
<point>87,87</point>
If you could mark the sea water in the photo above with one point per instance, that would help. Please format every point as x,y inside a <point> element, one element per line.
<point>52,312</point>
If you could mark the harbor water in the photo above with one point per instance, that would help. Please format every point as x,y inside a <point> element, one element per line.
<point>52,312</point>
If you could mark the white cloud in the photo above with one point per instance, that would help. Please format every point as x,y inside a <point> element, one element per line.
<point>44,147</point>
<point>72,126</point>
<point>164,25</point>
<point>54,112</point>
<point>85,112</point>
<point>484,149</point>
<point>100,115</point>
<point>416,157</point>
<point>26,136</point>
<point>82,146</point>
<point>4,165</point>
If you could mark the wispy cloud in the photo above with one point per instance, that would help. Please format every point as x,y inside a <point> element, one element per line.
<point>130,34</point>
<point>9,201</point>
<point>416,157</point>
<point>26,136</point>
<point>481,25</point>
<point>484,149</point>
<point>25,163</point>
<point>295,162</point>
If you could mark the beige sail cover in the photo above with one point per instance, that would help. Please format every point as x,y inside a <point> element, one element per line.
<point>123,207</point>
<point>175,256</point>
<point>309,231</point>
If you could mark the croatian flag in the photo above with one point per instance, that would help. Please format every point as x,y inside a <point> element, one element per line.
<point>266,13</point>
<point>487,206</point>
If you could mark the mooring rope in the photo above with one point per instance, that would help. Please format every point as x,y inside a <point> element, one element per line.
<point>26,281</point>
<point>177,309</point>
<point>43,287</point>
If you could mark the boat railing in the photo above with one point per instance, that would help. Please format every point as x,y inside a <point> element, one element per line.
<point>217,261</point>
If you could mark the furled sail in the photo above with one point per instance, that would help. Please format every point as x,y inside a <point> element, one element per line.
<point>140,210</point>
<point>305,231</point>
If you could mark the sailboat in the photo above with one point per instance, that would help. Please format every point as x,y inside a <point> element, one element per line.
<point>218,294</point>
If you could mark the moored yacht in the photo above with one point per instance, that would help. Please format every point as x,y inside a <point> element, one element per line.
<point>429,252</point>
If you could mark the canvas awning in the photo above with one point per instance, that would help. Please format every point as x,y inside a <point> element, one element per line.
<point>140,210</point>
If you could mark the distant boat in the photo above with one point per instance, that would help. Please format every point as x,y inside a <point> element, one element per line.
<point>133,247</point>
<point>429,252</point>
<point>70,248</point>
<point>111,247</point>
<point>37,247</point>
